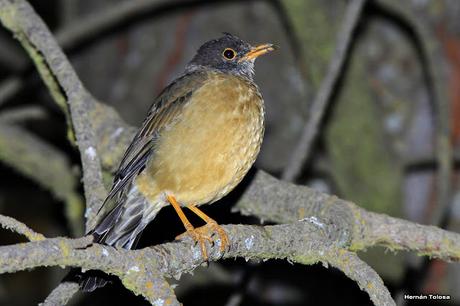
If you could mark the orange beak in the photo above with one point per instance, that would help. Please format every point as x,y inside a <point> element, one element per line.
<point>258,51</point>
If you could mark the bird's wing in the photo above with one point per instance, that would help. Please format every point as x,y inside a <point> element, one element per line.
<point>165,108</point>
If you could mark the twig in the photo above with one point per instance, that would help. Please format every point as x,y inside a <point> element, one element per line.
<point>20,228</point>
<point>427,161</point>
<point>24,113</point>
<point>325,92</point>
<point>8,88</point>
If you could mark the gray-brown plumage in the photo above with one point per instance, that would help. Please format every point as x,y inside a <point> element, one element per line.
<point>199,139</point>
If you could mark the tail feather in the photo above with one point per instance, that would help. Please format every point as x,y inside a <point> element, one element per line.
<point>91,283</point>
<point>88,281</point>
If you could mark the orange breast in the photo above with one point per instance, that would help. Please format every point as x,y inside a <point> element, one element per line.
<point>211,145</point>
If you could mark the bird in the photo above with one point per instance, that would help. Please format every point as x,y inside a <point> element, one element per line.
<point>200,137</point>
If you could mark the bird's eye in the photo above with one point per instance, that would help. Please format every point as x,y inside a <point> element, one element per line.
<point>229,53</point>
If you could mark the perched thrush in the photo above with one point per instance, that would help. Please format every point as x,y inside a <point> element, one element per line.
<point>198,141</point>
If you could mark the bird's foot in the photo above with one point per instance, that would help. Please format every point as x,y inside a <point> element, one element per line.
<point>206,233</point>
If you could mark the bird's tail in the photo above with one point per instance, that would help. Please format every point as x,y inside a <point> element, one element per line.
<point>121,228</point>
<point>88,281</point>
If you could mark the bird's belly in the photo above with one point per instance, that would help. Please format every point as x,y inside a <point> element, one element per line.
<point>210,148</point>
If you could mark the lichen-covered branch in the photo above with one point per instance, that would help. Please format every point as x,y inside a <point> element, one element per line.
<point>332,226</point>
<point>140,270</point>
<point>20,228</point>
<point>352,227</point>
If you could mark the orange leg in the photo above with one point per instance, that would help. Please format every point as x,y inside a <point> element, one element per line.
<point>190,230</point>
<point>212,225</point>
<point>172,200</point>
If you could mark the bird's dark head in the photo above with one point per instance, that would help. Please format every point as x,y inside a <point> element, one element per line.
<point>228,54</point>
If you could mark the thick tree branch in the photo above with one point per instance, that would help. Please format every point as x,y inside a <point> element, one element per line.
<point>352,227</point>
<point>139,269</point>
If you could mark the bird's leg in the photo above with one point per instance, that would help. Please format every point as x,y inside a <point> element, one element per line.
<point>211,225</point>
<point>190,230</point>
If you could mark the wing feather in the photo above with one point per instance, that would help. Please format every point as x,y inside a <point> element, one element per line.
<point>163,111</point>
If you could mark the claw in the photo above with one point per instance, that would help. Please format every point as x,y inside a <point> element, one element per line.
<point>206,233</point>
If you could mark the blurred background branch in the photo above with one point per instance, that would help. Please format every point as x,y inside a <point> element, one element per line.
<point>326,91</point>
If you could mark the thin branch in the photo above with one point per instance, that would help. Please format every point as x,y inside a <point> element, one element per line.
<point>20,114</point>
<point>20,228</point>
<point>427,161</point>
<point>325,92</point>
<point>8,88</point>
<point>367,279</point>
